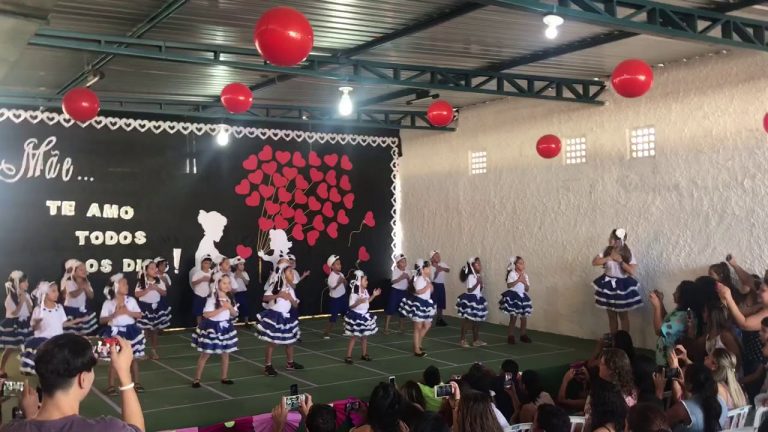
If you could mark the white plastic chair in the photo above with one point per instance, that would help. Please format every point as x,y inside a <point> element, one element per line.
<point>759,415</point>
<point>520,427</point>
<point>737,418</point>
<point>577,423</point>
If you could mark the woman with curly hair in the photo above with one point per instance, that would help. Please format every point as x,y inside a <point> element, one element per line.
<point>609,412</point>
<point>616,368</point>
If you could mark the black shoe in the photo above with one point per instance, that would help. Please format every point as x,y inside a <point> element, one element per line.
<point>348,360</point>
<point>441,323</point>
<point>294,366</point>
<point>421,354</point>
<point>139,388</point>
<point>196,384</point>
<point>366,358</point>
<point>227,381</point>
<point>269,370</point>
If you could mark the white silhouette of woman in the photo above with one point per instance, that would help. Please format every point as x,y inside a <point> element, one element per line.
<point>213,224</point>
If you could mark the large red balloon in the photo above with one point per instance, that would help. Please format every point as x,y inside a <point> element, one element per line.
<point>440,113</point>
<point>283,36</point>
<point>81,104</point>
<point>765,122</point>
<point>632,78</point>
<point>236,98</point>
<point>548,146</point>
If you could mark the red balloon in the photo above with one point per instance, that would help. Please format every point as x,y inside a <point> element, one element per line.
<point>283,36</point>
<point>548,146</point>
<point>440,113</point>
<point>237,98</point>
<point>81,104</point>
<point>632,78</point>
<point>765,122</point>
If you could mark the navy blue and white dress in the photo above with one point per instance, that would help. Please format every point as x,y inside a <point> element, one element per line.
<point>419,307</point>
<point>472,305</point>
<point>51,324</point>
<point>358,321</point>
<point>276,324</point>
<point>15,329</point>
<point>155,310</point>
<point>515,301</point>
<point>75,307</point>
<point>616,290</point>
<point>124,326</point>
<point>217,334</point>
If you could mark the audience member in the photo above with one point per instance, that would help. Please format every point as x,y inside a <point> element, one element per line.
<point>412,393</point>
<point>533,396</point>
<point>550,418</point>
<point>647,417</point>
<point>574,388</point>
<point>722,363</point>
<point>473,411</point>
<point>430,378</point>
<point>510,372</point>
<point>718,333</point>
<point>643,370</point>
<point>480,378</point>
<point>615,368</point>
<point>674,326</point>
<point>609,408</point>
<point>430,422</point>
<point>696,407</point>
<point>316,418</point>
<point>384,408</point>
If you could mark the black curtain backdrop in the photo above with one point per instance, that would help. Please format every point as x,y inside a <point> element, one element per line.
<point>148,172</point>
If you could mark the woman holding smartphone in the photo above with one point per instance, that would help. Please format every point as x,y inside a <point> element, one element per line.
<point>681,322</point>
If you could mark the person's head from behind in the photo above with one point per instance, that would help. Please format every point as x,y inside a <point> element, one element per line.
<point>64,366</point>
<point>475,413</point>
<point>615,368</point>
<point>550,418</point>
<point>510,366</point>
<point>479,378</point>
<point>623,341</point>
<point>429,422</point>
<point>647,417</point>
<point>530,383</point>
<point>642,370</point>
<point>412,393</point>
<point>716,318</point>
<point>608,405</point>
<point>384,407</point>
<point>431,376</point>
<point>702,386</point>
<point>321,418</point>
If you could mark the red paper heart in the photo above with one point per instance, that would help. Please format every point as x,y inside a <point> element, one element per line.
<point>266,191</point>
<point>243,252</point>
<point>328,209</point>
<point>369,220</point>
<point>326,269</point>
<point>290,172</point>
<point>344,183</point>
<point>279,180</point>
<point>244,188</point>
<point>253,199</point>
<point>256,177</point>
<point>269,167</point>
<point>342,217</point>
<point>314,204</point>
<point>312,237</point>
<point>281,223</point>
<point>314,160</point>
<point>299,197</point>
<point>330,177</point>
<point>362,254</point>
<point>271,207</point>
<point>349,200</point>
<point>331,159</point>
<point>282,156</point>
<point>322,191</point>
<point>346,164</point>
<point>287,211</point>
<point>298,232</point>
<point>315,174</point>
<point>300,217</point>
<point>317,223</point>
<point>266,153</point>
<point>251,163</point>
<point>283,195</point>
<point>334,195</point>
<point>298,161</point>
<point>301,182</point>
<point>333,230</point>
<point>265,224</point>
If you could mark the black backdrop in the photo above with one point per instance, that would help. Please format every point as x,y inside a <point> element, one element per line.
<point>148,171</point>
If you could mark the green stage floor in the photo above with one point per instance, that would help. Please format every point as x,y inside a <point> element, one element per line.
<point>170,402</point>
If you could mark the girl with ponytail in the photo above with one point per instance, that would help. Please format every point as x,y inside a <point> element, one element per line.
<point>15,329</point>
<point>119,314</point>
<point>472,305</point>
<point>722,363</point>
<point>616,290</point>
<point>151,292</point>
<point>77,291</point>
<point>418,306</point>
<point>515,301</point>
<point>358,322</point>
<point>276,324</point>
<point>697,406</point>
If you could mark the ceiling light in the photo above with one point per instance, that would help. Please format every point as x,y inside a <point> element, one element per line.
<point>222,138</point>
<point>552,22</point>
<point>345,104</point>
<point>93,78</point>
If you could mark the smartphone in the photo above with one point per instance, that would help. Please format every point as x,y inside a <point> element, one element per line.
<point>294,390</point>
<point>351,406</point>
<point>509,380</point>
<point>101,349</point>
<point>456,377</point>
<point>293,402</point>
<point>608,339</point>
<point>392,380</point>
<point>672,373</point>
<point>12,388</point>
<point>578,368</point>
<point>443,391</point>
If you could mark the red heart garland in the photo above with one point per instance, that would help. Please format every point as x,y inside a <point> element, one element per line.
<point>279,180</point>
<point>314,204</point>
<point>330,177</point>
<point>269,167</point>
<point>300,217</point>
<point>256,177</point>
<point>333,230</point>
<point>251,163</point>
<point>283,195</point>
<point>298,232</point>
<point>253,199</point>
<point>312,237</point>
<point>369,220</point>
<point>331,159</point>
<point>342,217</point>
<point>298,161</point>
<point>290,172</point>
<point>346,164</point>
<point>301,182</point>
<point>283,156</point>
<point>362,254</point>
<point>317,223</point>
<point>281,223</point>
<point>266,153</point>
<point>243,188</point>
<point>314,160</point>
<point>287,211</point>
<point>349,200</point>
<point>344,183</point>
<point>328,209</point>
<point>299,197</point>
<point>266,191</point>
<point>271,207</point>
<point>322,190</point>
<point>265,224</point>
<point>243,252</point>
<point>334,195</point>
<point>315,174</point>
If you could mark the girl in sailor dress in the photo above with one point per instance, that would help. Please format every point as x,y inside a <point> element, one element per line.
<point>472,305</point>
<point>155,310</point>
<point>515,301</point>
<point>200,281</point>
<point>276,324</point>
<point>15,329</point>
<point>418,306</point>
<point>358,322</point>
<point>616,290</point>
<point>77,291</point>
<point>162,271</point>
<point>240,283</point>
<point>48,320</point>
<point>216,334</point>
<point>119,313</point>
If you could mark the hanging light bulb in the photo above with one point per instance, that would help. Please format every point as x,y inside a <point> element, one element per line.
<point>222,138</point>
<point>345,104</point>
<point>552,22</point>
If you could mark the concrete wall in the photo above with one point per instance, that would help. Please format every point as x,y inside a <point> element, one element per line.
<point>705,193</point>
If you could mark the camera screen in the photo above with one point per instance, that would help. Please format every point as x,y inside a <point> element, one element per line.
<point>443,390</point>
<point>293,402</point>
<point>13,388</point>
